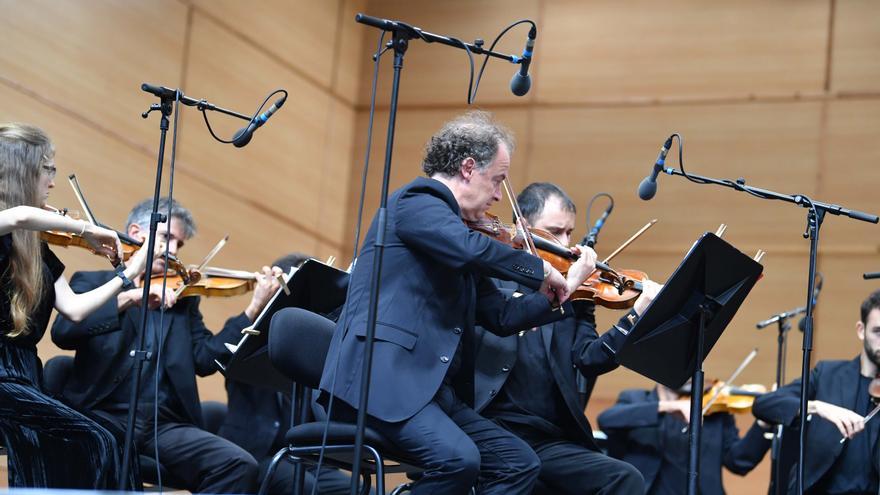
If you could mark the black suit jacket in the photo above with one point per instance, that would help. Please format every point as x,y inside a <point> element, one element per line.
<point>635,435</point>
<point>592,355</point>
<point>832,382</point>
<point>433,290</point>
<point>103,340</point>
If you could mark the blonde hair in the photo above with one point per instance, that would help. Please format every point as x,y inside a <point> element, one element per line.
<point>24,150</point>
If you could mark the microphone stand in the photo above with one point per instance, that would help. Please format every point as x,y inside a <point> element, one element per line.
<point>815,216</point>
<point>782,327</point>
<point>401,34</point>
<point>166,98</point>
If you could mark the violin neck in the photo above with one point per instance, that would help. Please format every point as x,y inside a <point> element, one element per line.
<point>551,247</point>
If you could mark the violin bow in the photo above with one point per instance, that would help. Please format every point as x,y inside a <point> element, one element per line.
<point>520,222</point>
<point>730,380</point>
<point>213,252</point>
<point>630,240</point>
<point>77,191</point>
<point>867,418</point>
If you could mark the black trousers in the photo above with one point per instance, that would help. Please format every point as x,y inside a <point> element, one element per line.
<point>458,448</point>
<point>50,445</point>
<point>570,468</point>
<point>206,463</point>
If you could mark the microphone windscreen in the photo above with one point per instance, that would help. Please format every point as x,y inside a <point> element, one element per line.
<point>648,188</point>
<point>520,84</point>
<point>242,137</point>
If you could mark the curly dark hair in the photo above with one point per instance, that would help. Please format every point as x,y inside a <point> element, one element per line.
<point>871,303</point>
<point>474,134</point>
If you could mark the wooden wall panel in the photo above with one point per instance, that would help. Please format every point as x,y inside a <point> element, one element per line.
<point>271,25</point>
<point>75,54</point>
<point>600,49</point>
<point>287,155</point>
<point>612,149</point>
<point>851,175</point>
<point>856,46</point>
<point>436,74</point>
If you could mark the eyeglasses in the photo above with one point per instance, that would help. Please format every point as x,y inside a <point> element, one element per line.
<point>50,171</point>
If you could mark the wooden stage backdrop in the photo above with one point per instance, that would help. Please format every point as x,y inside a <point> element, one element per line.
<point>785,94</point>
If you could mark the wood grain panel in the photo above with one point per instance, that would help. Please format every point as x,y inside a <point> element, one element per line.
<point>856,47</point>
<point>771,145</point>
<point>93,58</point>
<point>300,32</point>
<point>599,50</point>
<point>851,175</point>
<point>436,74</point>
<point>352,51</point>
<point>281,169</point>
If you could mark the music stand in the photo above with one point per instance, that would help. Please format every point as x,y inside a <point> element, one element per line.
<point>678,330</point>
<point>315,286</point>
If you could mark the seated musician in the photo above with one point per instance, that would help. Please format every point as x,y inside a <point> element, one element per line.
<point>434,289</point>
<point>258,418</point>
<point>528,383</point>
<point>647,428</point>
<point>839,399</point>
<point>48,444</point>
<point>181,347</point>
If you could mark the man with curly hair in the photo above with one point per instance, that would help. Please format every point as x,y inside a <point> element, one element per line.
<point>434,289</point>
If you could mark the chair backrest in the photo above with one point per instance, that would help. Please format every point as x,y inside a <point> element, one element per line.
<point>56,371</point>
<point>298,344</point>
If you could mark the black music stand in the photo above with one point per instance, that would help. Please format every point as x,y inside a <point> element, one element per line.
<point>672,338</point>
<point>315,286</point>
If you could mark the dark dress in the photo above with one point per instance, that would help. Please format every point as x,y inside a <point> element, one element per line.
<point>48,443</point>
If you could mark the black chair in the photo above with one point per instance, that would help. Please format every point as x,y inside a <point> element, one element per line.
<point>56,372</point>
<point>298,348</point>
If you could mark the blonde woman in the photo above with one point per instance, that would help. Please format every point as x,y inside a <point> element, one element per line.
<point>49,444</point>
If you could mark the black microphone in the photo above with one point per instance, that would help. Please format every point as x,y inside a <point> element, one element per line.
<point>243,136</point>
<point>590,240</point>
<point>521,82</point>
<point>648,186</point>
<point>802,324</point>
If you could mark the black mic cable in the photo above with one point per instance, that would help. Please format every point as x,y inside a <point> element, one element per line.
<point>802,323</point>
<point>591,237</point>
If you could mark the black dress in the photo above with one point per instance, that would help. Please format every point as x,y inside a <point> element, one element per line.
<point>48,443</point>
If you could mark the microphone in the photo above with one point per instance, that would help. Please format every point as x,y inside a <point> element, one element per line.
<point>590,240</point>
<point>521,82</point>
<point>243,136</point>
<point>802,324</point>
<point>648,186</point>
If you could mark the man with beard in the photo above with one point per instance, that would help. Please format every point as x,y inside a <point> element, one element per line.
<point>839,396</point>
<point>528,384</point>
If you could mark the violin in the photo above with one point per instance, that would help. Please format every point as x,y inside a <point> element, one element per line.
<point>613,289</point>
<point>211,286</point>
<point>129,245</point>
<point>731,400</point>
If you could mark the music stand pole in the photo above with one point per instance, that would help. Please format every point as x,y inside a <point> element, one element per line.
<point>695,425</point>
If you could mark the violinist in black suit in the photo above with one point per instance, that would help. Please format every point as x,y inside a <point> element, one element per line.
<point>434,290</point>
<point>181,347</point>
<point>647,429</point>
<point>528,383</point>
<point>838,399</point>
